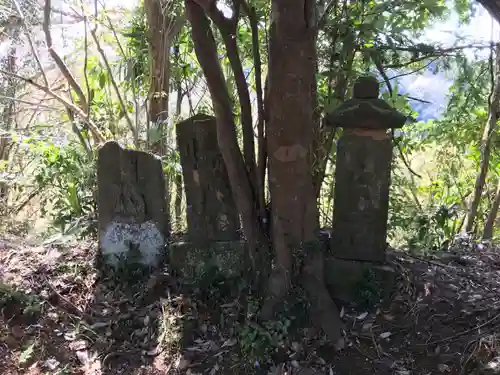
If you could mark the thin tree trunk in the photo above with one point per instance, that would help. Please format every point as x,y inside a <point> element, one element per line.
<point>261,138</point>
<point>228,29</point>
<point>8,115</point>
<point>489,225</point>
<point>486,139</point>
<point>163,28</point>
<point>178,175</point>
<point>206,52</point>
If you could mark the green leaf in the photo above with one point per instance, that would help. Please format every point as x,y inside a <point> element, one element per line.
<point>26,354</point>
<point>102,80</point>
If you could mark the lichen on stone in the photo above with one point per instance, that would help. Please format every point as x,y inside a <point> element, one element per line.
<point>146,237</point>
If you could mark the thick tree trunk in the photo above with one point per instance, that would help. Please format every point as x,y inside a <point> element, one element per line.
<point>489,225</point>
<point>289,140</point>
<point>486,139</point>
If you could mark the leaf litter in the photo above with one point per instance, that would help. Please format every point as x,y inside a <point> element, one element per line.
<point>443,319</point>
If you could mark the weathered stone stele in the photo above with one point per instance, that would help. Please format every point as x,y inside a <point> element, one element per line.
<point>362,174</point>
<point>211,211</point>
<point>131,206</point>
<point>213,238</point>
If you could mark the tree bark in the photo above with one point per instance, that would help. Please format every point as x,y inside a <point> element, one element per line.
<point>261,140</point>
<point>178,174</point>
<point>486,139</point>
<point>290,137</point>
<point>8,115</point>
<point>489,225</point>
<point>228,29</point>
<point>163,28</point>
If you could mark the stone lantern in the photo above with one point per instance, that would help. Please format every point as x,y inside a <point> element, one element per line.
<point>362,174</point>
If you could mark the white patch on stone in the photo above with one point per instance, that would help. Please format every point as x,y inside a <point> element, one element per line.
<point>114,243</point>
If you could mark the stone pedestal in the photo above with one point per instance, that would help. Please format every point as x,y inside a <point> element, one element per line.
<point>191,260</point>
<point>359,282</point>
<point>133,224</point>
<point>211,211</point>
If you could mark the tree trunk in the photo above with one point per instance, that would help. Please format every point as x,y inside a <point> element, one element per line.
<point>178,175</point>
<point>289,140</point>
<point>8,115</point>
<point>489,225</point>
<point>163,28</point>
<point>486,139</point>
<point>206,52</point>
<point>178,200</point>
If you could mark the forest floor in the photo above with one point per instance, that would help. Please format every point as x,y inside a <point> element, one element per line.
<point>58,317</point>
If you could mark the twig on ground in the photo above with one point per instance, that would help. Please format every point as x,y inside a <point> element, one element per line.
<point>76,310</point>
<point>460,334</point>
<point>375,344</point>
<point>363,353</point>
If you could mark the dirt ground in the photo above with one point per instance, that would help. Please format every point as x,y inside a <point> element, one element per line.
<point>58,316</point>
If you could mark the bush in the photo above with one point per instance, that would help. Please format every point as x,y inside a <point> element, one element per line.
<point>65,174</point>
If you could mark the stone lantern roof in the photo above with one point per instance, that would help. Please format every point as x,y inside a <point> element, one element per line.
<point>365,110</point>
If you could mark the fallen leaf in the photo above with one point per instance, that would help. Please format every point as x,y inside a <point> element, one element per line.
<point>26,354</point>
<point>385,335</point>
<point>340,344</point>
<point>215,369</point>
<point>83,356</point>
<point>229,342</point>
<point>362,316</point>
<point>78,345</point>
<point>366,326</point>
<point>98,325</point>
<point>70,336</point>
<point>296,346</point>
<point>51,363</point>
<point>442,367</point>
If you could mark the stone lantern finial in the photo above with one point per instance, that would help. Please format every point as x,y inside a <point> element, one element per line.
<point>366,87</point>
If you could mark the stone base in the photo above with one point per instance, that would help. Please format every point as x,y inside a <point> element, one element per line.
<point>192,260</point>
<point>132,243</point>
<point>359,282</point>
<point>348,281</point>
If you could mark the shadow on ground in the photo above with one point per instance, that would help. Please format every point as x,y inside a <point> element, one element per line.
<point>58,317</point>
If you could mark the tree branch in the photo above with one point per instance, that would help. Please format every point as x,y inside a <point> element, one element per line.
<point>131,126</point>
<point>30,41</point>
<point>93,128</point>
<point>59,62</point>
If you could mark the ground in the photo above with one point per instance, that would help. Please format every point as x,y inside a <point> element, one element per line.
<point>58,316</point>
